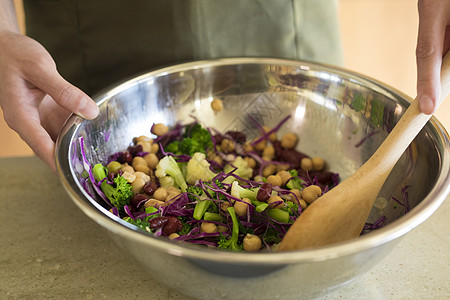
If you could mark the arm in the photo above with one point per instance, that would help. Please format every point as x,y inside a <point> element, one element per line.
<point>35,99</point>
<point>432,44</point>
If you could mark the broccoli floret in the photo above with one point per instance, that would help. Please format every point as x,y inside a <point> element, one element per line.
<point>215,195</point>
<point>291,207</point>
<point>187,227</point>
<point>198,169</point>
<point>272,236</point>
<point>194,191</point>
<point>190,146</point>
<point>140,223</point>
<point>173,147</point>
<point>242,170</point>
<point>168,167</point>
<point>231,244</point>
<point>119,193</point>
<point>200,134</point>
<point>195,139</point>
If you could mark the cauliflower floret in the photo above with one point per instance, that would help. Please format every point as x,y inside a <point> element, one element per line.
<point>198,168</point>
<point>242,170</point>
<point>169,173</point>
<point>166,182</point>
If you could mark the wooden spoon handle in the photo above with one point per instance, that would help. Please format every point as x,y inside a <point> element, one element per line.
<point>410,124</point>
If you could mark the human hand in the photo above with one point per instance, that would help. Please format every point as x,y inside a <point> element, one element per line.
<point>35,99</point>
<point>433,42</point>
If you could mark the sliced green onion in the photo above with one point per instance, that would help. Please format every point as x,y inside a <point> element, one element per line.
<point>279,215</point>
<point>209,216</point>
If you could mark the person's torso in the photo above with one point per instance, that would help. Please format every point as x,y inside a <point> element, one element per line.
<point>98,42</point>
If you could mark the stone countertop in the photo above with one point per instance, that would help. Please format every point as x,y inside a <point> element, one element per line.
<point>50,250</point>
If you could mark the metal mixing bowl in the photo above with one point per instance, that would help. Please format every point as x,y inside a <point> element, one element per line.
<point>339,115</point>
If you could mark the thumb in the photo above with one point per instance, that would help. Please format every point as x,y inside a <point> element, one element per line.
<point>66,95</point>
<point>429,52</point>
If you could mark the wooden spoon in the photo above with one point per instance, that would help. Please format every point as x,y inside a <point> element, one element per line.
<point>341,213</point>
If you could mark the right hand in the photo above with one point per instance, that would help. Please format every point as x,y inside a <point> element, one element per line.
<point>35,99</point>
<point>433,42</point>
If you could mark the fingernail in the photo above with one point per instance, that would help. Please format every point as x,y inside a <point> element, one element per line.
<point>426,105</point>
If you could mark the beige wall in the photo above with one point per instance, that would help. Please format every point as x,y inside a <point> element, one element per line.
<point>379,39</point>
<point>20,14</point>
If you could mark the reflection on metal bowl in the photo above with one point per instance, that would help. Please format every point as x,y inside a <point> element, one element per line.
<point>339,115</point>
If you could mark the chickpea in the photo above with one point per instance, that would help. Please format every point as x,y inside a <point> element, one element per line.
<point>295,196</point>
<point>303,203</point>
<point>284,175</point>
<point>260,145</point>
<point>159,129</point>
<point>297,193</point>
<point>210,154</point>
<point>143,168</point>
<point>127,168</point>
<point>142,175</point>
<point>143,138</point>
<point>224,206</point>
<point>153,202</point>
<point>275,180</point>
<point>221,228</point>
<point>137,160</point>
<point>268,159</point>
<point>306,164</point>
<point>173,189</point>
<point>173,236</point>
<point>151,160</point>
<point>217,159</point>
<point>171,196</point>
<point>269,170</point>
<point>251,243</point>
<point>275,202</point>
<point>155,147</point>
<point>113,167</point>
<point>272,136</point>
<point>269,152</point>
<point>208,227</point>
<point>160,194</point>
<point>283,167</point>
<point>311,193</point>
<point>137,185</point>
<point>130,177</point>
<point>250,161</point>
<point>318,163</point>
<point>146,146</point>
<point>248,147</point>
<point>240,208</point>
<point>227,145</point>
<point>289,140</point>
<point>217,105</point>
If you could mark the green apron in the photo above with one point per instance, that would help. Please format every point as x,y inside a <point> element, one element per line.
<point>96,43</point>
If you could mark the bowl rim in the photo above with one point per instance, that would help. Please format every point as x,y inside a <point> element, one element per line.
<point>365,242</point>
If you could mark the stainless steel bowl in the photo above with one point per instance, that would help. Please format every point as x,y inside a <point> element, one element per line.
<point>339,115</point>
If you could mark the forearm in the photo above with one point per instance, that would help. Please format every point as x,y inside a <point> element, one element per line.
<point>8,18</point>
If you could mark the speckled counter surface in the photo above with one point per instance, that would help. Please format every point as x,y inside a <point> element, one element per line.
<point>50,250</point>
